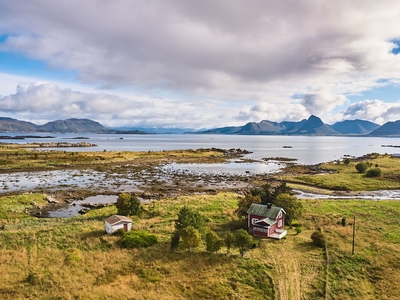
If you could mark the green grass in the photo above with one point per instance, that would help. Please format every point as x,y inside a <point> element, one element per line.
<point>61,258</point>
<point>15,156</point>
<point>346,178</point>
<point>372,272</point>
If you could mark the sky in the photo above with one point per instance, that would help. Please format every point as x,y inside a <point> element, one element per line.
<point>199,64</point>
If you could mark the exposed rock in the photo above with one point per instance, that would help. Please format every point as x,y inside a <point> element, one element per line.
<point>51,200</point>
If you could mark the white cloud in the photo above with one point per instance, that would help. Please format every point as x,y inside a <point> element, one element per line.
<point>373,110</point>
<point>322,102</point>
<point>42,102</point>
<point>217,52</point>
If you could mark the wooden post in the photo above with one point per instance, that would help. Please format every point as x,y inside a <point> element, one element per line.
<point>354,233</point>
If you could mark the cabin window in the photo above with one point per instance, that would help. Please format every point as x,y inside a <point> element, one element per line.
<point>280,214</point>
<point>254,220</point>
<point>280,223</point>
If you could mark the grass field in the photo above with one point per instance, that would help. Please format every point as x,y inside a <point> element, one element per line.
<point>74,258</point>
<point>14,158</point>
<point>339,176</point>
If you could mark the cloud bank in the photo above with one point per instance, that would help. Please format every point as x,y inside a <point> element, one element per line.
<point>230,59</point>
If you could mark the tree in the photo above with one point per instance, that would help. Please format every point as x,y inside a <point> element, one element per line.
<point>282,188</point>
<point>375,172</point>
<point>361,167</point>
<point>175,241</point>
<point>245,203</point>
<point>229,240</point>
<point>191,237</point>
<point>189,217</point>
<point>292,206</point>
<point>266,194</point>
<point>128,205</point>
<point>243,240</point>
<point>213,242</point>
<point>346,161</point>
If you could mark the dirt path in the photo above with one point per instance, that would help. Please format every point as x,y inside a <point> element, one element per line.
<point>296,266</point>
<point>288,269</point>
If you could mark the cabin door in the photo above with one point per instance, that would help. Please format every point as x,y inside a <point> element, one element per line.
<point>125,227</point>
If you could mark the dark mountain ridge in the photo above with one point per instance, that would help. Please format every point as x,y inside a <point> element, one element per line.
<point>59,126</point>
<point>311,126</point>
<point>387,129</point>
<point>354,127</point>
<point>73,125</point>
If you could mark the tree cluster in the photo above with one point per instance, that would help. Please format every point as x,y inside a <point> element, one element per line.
<point>280,195</point>
<point>190,227</point>
<point>364,167</point>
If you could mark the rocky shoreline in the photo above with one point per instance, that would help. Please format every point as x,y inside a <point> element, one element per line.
<point>59,145</point>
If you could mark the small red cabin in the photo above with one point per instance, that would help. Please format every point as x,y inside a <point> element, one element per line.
<point>266,221</point>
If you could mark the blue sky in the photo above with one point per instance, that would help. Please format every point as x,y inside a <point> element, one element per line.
<point>199,64</point>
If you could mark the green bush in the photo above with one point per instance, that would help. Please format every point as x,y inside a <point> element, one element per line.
<point>138,239</point>
<point>361,167</point>
<point>375,172</point>
<point>298,230</point>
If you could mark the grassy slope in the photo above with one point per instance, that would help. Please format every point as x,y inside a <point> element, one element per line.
<point>75,259</point>
<point>345,177</point>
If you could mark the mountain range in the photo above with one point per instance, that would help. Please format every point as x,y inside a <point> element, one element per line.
<point>60,126</point>
<point>311,126</point>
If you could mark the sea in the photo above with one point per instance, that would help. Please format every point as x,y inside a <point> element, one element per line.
<point>307,150</point>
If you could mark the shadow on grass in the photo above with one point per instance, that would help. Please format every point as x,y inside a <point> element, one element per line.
<point>233,225</point>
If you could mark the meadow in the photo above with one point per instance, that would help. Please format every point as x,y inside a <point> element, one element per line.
<point>73,258</point>
<point>15,157</point>
<point>339,176</point>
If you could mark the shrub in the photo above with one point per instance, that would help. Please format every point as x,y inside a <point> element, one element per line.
<point>318,239</point>
<point>138,239</point>
<point>361,167</point>
<point>343,222</point>
<point>32,278</point>
<point>298,230</point>
<point>346,161</point>
<point>213,242</point>
<point>375,172</point>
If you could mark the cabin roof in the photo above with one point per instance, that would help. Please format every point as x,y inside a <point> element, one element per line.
<point>117,219</point>
<point>266,211</point>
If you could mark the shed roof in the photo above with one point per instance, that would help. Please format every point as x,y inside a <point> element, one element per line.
<point>117,218</point>
<point>264,211</point>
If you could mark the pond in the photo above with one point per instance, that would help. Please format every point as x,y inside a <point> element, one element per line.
<point>81,206</point>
